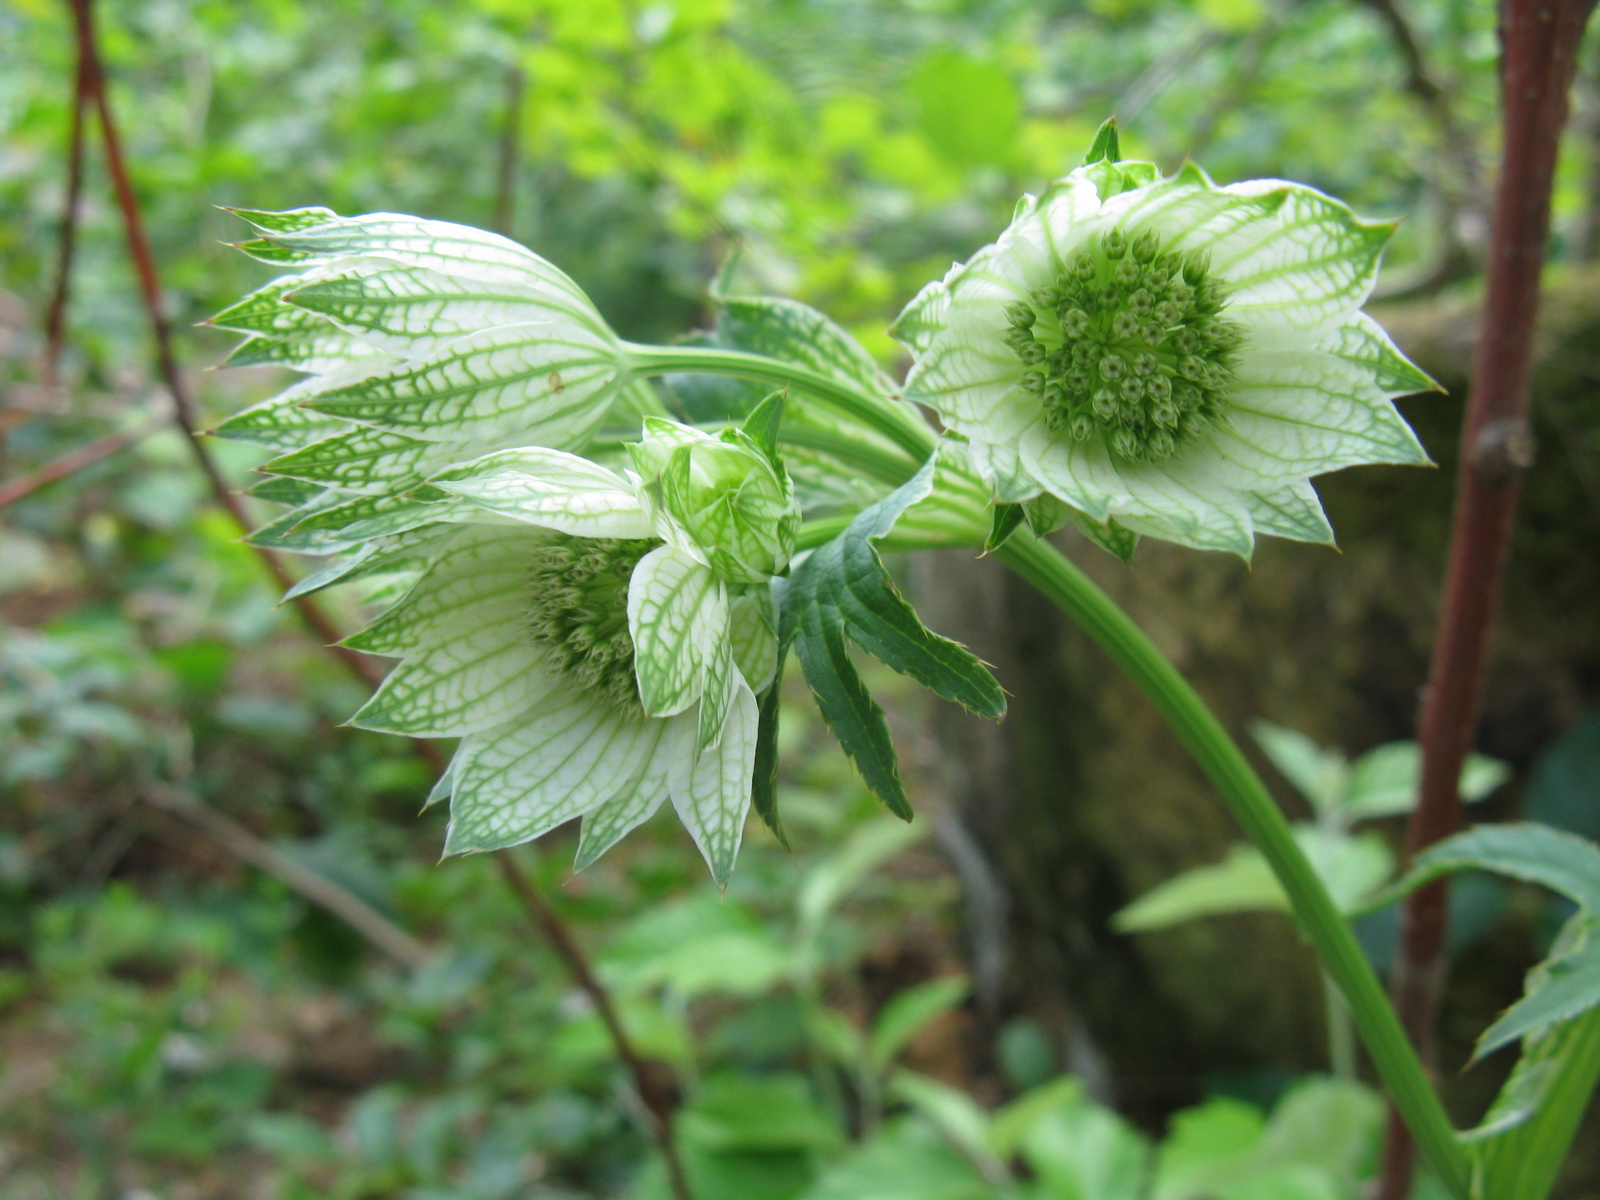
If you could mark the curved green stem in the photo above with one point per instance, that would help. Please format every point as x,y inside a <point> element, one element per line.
<point>897,422</point>
<point>1196,726</point>
<point>1076,594</point>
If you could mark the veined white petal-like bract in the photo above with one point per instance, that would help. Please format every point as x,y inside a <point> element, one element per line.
<point>1270,275</point>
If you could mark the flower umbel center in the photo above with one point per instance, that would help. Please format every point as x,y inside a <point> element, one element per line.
<point>1130,343</point>
<point>578,611</point>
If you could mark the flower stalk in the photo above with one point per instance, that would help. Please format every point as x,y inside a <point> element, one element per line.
<point>1218,755</point>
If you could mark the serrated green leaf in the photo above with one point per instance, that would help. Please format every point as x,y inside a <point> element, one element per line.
<point>1521,849</point>
<point>764,784</point>
<point>1564,986</point>
<point>1567,983</point>
<point>1523,1143</point>
<point>842,590</point>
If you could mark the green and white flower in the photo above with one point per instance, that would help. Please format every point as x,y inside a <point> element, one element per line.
<point>1166,356</point>
<point>424,344</point>
<point>598,646</point>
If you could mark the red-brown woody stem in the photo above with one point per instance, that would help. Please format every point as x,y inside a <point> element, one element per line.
<point>1540,40</point>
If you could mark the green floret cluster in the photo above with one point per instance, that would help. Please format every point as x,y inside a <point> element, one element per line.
<point>578,611</point>
<point>1130,343</point>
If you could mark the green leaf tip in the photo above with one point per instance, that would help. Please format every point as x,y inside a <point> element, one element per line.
<point>1106,146</point>
<point>1005,521</point>
<point>764,421</point>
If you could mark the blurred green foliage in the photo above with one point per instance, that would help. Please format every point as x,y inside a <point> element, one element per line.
<point>175,1024</point>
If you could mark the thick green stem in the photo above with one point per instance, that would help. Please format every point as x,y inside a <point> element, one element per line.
<point>1073,592</point>
<point>1196,726</point>
<point>897,422</point>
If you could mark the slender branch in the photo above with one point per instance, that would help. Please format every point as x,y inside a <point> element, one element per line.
<point>652,1079</point>
<point>505,183</point>
<point>73,461</point>
<point>239,841</point>
<point>1540,40</point>
<point>56,312</point>
<point>184,410</point>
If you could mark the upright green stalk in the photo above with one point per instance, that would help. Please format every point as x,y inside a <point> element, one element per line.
<point>1219,756</point>
<point>1196,726</point>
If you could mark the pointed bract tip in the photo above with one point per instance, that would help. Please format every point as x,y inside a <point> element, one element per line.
<point>1106,146</point>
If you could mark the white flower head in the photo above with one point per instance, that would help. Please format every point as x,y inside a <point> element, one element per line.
<point>593,651</point>
<point>424,344</point>
<point>1166,356</point>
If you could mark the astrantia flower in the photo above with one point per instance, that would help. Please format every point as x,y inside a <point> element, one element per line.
<point>425,344</point>
<point>598,649</point>
<point>1166,356</point>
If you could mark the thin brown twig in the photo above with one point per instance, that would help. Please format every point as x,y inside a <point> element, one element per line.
<point>56,312</point>
<point>656,1094</point>
<point>652,1079</point>
<point>240,842</point>
<point>76,460</point>
<point>184,410</point>
<point>1540,40</point>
